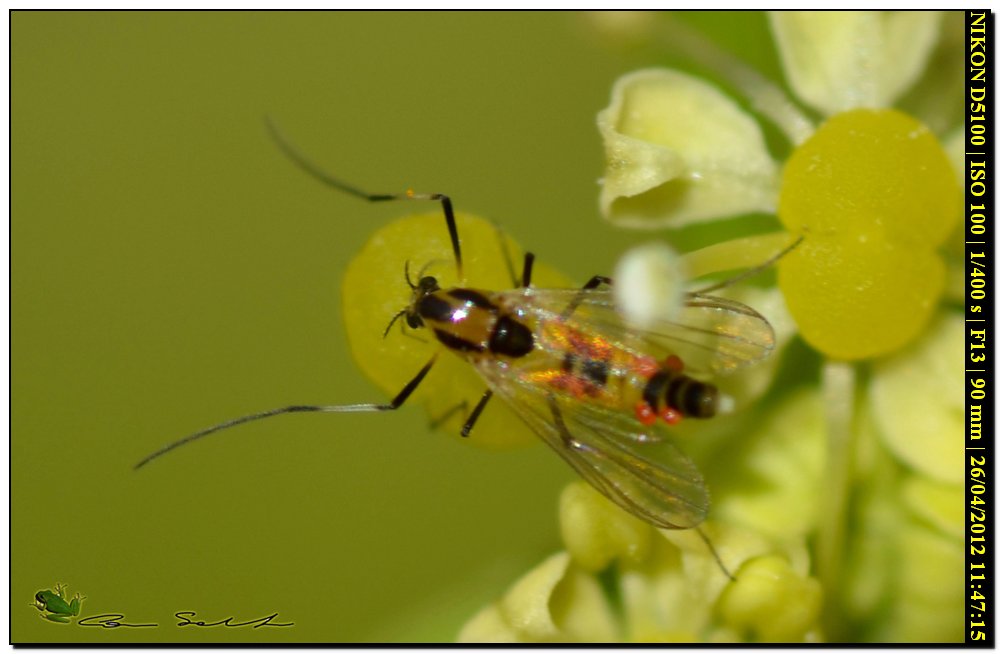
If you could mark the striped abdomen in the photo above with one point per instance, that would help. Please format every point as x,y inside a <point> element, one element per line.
<point>670,394</point>
<point>593,368</point>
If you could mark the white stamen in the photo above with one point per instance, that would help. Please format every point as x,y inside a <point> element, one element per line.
<point>649,284</point>
<point>725,404</point>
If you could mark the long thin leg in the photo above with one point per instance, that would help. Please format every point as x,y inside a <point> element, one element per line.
<point>593,283</point>
<point>560,423</point>
<point>715,554</point>
<point>474,416</point>
<point>339,408</point>
<point>312,169</point>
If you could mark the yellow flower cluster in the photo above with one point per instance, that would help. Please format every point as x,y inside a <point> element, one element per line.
<point>836,497</point>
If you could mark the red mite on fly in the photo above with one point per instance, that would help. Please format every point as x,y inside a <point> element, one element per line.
<point>594,388</point>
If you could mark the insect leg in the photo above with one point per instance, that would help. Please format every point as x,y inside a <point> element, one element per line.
<point>596,281</point>
<point>598,481</point>
<point>529,263</point>
<point>593,283</point>
<point>715,554</point>
<point>444,417</point>
<point>315,171</point>
<point>394,404</point>
<point>474,416</point>
<point>402,327</point>
<point>560,423</point>
<point>525,279</point>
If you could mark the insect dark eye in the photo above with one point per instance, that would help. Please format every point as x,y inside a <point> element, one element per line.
<point>428,284</point>
<point>414,321</point>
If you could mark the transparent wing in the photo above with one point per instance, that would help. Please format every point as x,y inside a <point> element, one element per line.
<point>723,335</point>
<point>660,485</point>
<point>711,335</point>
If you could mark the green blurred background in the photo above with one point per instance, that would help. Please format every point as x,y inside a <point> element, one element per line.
<point>170,269</point>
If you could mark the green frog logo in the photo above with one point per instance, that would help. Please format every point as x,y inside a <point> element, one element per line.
<point>56,606</point>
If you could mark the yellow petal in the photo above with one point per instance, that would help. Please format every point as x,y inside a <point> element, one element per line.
<point>936,97</point>
<point>554,602</point>
<point>657,606</point>
<point>488,626</point>
<point>772,603</point>
<point>374,289</point>
<point>940,504</point>
<point>929,600</point>
<point>678,151</point>
<point>903,581</point>
<point>918,403</point>
<point>596,531</point>
<point>874,195</point>
<point>841,60</point>
<point>854,301</point>
<point>770,480</point>
<point>954,147</point>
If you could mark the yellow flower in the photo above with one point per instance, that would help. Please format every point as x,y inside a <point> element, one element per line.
<point>622,580</point>
<point>872,190</point>
<point>838,497</point>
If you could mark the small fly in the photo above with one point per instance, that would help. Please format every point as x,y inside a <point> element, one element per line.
<point>595,389</point>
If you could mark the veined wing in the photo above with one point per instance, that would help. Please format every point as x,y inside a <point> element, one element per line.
<point>710,334</point>
<point>603,447</point>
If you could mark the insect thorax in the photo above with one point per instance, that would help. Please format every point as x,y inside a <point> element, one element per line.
<point>469,322</point>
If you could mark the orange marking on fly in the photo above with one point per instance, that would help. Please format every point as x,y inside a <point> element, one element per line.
<point>591,346</point>
<point>565,381</point>
<point>645,366</point>
<point>673,362</point>
<point>645,414</point>
<point>588,384</point>
<point>670,415</point>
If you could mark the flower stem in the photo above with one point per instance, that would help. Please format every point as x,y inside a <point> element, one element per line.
<point>765,96</point>
<point>839,380</point>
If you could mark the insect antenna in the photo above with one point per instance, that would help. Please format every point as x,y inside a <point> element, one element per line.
<point>318,173</point>
<point>427,266</point>
<point>756,270</point>
<point>406,275</point>
<point>399,314</point>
